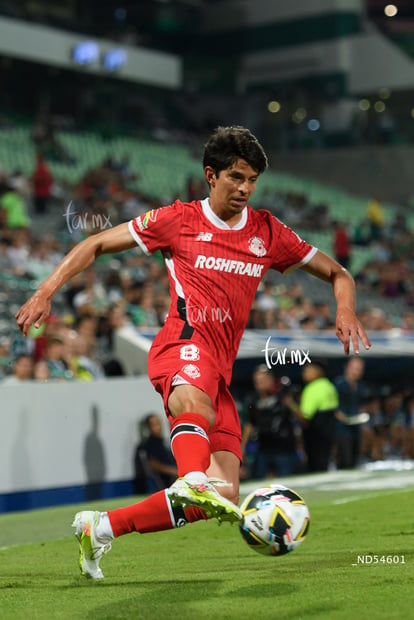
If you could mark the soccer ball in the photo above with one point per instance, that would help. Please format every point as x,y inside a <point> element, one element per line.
<point>275,520</point>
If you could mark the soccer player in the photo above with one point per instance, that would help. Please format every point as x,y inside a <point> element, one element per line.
<point>216,252</point>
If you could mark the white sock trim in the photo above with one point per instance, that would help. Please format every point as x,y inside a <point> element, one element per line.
<point>104,529</point>
<point>196,476</point>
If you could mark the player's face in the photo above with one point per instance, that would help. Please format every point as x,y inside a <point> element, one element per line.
<point>231,189</point>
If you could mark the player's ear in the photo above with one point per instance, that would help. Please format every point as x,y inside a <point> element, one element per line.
<point>210,175</point>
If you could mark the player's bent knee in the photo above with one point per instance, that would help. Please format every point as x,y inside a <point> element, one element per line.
<point>188,399</point>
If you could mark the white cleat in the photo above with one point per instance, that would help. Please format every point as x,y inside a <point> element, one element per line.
<point>91,549</point>
<point>203,495</point>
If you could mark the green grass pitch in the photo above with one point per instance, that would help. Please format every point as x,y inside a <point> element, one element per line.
<point>356,562</point>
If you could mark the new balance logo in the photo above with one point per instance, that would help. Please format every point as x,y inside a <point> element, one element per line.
<point>204,236</point>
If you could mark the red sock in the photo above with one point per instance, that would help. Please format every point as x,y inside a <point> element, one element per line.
<point>194,514</point>
<point>190,443</point>
<point>153,514</point>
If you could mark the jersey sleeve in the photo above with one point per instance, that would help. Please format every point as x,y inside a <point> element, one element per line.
<point>290,251</point>
<point>157,229</point>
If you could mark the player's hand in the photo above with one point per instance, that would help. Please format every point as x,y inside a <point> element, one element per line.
<point>34,312</point>
<point>349,329</point>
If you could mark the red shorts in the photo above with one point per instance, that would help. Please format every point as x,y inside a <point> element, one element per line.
<point>195,366</point>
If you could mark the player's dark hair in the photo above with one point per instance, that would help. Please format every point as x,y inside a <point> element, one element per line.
<point>228,144</point>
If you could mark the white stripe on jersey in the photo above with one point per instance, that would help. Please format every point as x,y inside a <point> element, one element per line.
<point>304,260</point>
<point>137,238</point>
<point>169,262</point>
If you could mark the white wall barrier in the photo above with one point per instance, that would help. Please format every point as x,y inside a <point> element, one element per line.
<point>60,435</point>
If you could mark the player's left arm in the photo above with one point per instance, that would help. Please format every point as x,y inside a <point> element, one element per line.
<point>348,327</point>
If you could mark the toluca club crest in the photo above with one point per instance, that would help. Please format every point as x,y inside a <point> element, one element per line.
<point>257,246</point>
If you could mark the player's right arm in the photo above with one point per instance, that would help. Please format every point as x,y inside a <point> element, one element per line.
<point>36,309</point>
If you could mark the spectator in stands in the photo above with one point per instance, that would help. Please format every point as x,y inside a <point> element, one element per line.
<point>42,181</point>
<point>113,286</point>
<point>18,252</point>
<point>161,306</point>
<point>361,234</point>
<point>350,389</point>
<point>39,337</point>
<point>22,370</point>
<point>55,359</point>
<point>144,314</point>
<point>342,244</point>
<point>272,426</point>
<point>255,317</point>
<point>20,183</point>
<point>376,219</point>
<point>322,315</point>
<point>399,224</point>
<point>375,319</point>
<point>14,204</point>
<point>384,437</point>
<point>79,357</point>
<point>269,318</point>
<point>382,253</point>
<point>371,432</point>
<point>41,263</point>
<point>114,319</point>
<point>154,450</point>
<point>87,326</point>
<point>265,298</point>
<point>41,371</point>
<point>74,286</point>
<point>393,423</point>
<point>391,282</point>
<point>92,299</point>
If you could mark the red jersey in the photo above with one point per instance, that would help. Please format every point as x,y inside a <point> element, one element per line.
<point>214,270</point>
